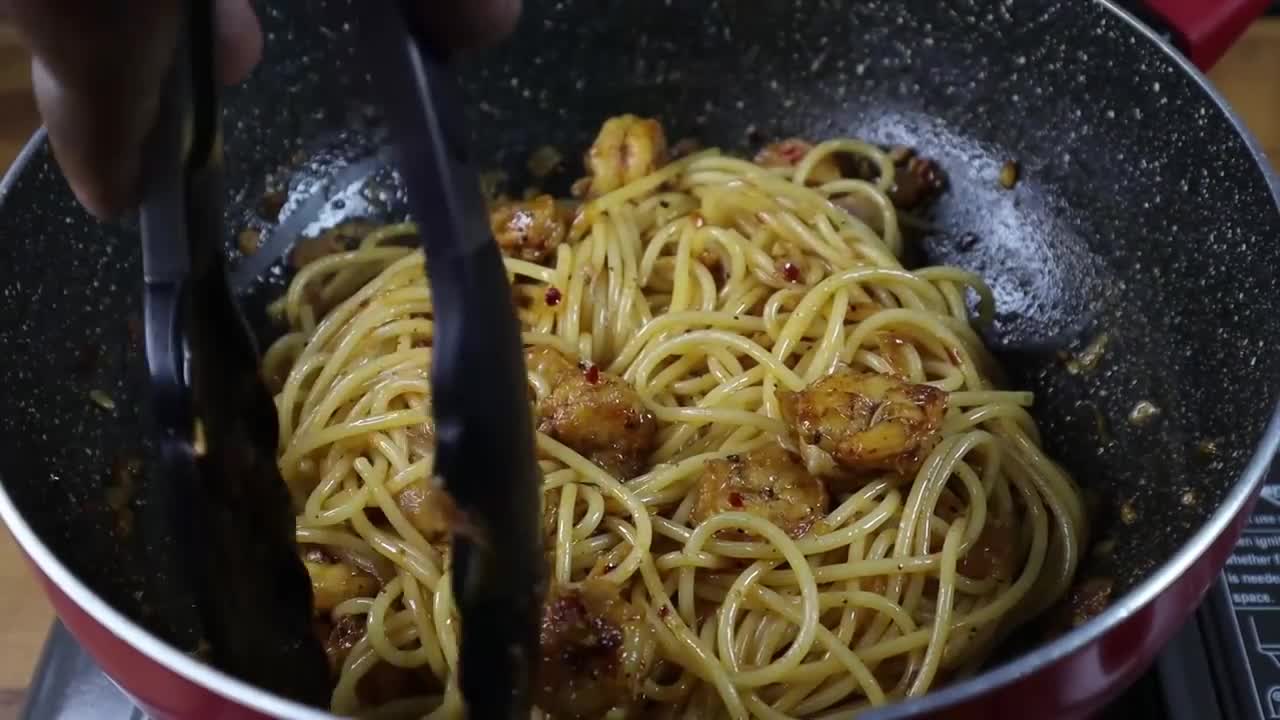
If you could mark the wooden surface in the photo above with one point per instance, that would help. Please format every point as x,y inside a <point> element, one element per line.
<point>1247,76</point>
<point>24,613</point>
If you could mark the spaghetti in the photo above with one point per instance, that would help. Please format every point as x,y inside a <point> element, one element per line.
<point>815,497</point>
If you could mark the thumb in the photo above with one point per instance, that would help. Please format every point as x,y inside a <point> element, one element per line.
<point>470,24</point>
<point>97,69</point>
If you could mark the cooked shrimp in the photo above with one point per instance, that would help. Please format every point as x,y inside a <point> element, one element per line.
<point>852,422</point>
<point>594,412</point>
<point>788,153</point>
<point>421,440</point>
<point>918,181</point>
<point>627,149</point>
<point>426,508</point>
<point>596,652</point>
<point>768,482</point>
<point>335,582</point>
<point>383,682</point>
<point>342,638</point>
<point>530,229</point>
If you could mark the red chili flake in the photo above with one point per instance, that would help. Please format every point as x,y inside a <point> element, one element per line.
<point>593,374</point>
<point>735,499</point>
<point>664,611</point>
<point>793,150</point>
<point>791,272</point>
<point>553,296</point>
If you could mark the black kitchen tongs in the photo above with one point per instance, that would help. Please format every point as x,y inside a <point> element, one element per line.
<point>484,432</point>
<point>217,425</point>
<point>225,505</point>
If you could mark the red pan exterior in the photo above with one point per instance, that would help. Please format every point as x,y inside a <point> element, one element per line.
<point>161,692</point>
<point>166,683</point>
<point>1071,678</point>
<point>1078,685</point>
<point>1206,29</point>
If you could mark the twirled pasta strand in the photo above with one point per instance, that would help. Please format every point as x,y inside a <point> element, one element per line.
<point>867,607</point>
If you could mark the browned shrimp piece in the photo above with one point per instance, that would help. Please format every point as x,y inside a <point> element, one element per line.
<point>854,422</point>
<point>421,440</point>
<point>344,636</point>
<point>383,682</point>
<point>767,482</point>
<point>335,582</point>
<point>917,181</point>
<point>594,412</point>
<point>386,683</point>
<point>788,153</point>
<point>596,652</point>
<point>424,506</point>
<point>627,149</point>
<point>529,229</point>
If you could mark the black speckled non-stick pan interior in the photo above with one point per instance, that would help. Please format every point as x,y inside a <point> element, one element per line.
<point>1142,217</point>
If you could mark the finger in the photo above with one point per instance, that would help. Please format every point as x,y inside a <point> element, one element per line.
<point>239,40</point>
<point>471,24</point>
<point>96,70</point>
<point>94,141</point>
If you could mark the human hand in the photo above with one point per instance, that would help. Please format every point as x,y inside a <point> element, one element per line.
<point>97,68</point>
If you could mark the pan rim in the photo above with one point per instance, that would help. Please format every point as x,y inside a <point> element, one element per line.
<point>245,694</point>
<point>228,687</point>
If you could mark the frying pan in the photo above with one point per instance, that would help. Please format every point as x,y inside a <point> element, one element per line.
<point>1144,224</point>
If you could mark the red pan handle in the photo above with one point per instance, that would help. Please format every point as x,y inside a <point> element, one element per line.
<point>1205,29</point>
